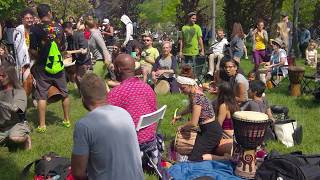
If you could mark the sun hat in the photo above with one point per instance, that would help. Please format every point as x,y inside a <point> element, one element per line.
<point>277,41</point>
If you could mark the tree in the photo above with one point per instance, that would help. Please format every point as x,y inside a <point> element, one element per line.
<point>11,8</point>
<point>65,8</point>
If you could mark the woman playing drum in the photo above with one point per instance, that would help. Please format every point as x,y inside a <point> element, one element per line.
<point>278,62</point>
<point>210,134</point>
<point>165,67</point>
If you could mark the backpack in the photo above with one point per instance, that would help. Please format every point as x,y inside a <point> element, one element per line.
<point>293,166</point>
<point>49,166</point>
<point>54,63</point>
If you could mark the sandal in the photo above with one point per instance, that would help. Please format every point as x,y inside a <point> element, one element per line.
<point>41,129</point>
<point>66,123</point>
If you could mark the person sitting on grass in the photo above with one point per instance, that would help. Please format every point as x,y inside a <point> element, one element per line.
<point>13,103</point>
<point>105,140</point>
<point>202,115</point>
<point>312,55</point>
<point>257,102</point>
<point>226,106</point>
<point>165,67</point>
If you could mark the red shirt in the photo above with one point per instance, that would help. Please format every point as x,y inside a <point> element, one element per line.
<point>138,99</point>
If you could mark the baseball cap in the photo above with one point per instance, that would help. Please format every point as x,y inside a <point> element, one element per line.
<point>105,21</point>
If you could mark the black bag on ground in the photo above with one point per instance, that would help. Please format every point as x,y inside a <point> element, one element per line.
<point>293,166</point>
<point>49,165</point>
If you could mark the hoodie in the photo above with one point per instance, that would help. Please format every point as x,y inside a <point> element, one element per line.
<point>129,28</point>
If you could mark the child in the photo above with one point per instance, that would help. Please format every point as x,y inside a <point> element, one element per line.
<point>311,54</point>
<point>258,103</point>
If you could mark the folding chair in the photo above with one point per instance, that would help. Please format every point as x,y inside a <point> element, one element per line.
<point>309,84</point>
<point>146,121</point>
<point>199,68</point>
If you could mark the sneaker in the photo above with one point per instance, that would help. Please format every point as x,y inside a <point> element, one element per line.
<point>41,129</point>
<point>246,57</point>
<point>66,123</point>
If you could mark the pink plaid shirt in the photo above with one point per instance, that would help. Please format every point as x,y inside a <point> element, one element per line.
<point>138,99</point>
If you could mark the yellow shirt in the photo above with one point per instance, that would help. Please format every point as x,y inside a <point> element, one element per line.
<point>259,42</point>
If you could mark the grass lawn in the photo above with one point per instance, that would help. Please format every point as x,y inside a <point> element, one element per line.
<point>59,139</point>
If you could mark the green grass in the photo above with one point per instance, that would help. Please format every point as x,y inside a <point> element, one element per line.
<point>59,139</point>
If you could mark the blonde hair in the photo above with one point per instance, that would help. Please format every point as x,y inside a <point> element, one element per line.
<point>283,33</point>
<point>312,43</point>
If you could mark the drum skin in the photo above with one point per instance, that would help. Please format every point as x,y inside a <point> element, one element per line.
<point>162,87</point>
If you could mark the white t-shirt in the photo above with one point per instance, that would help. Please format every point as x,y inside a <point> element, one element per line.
<point>218,46</point>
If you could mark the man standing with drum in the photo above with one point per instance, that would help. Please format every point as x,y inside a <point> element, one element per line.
<point>46,43</point>
<point>191,40</point>
<point>78,47</point>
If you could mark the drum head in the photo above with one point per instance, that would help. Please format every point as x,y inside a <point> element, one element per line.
<point>162,87</point>
<point>68,62</point>
<point>250,116</point>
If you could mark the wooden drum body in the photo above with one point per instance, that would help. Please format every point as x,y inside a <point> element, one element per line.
<point>295,76</point>
<point>54,95</point>
<point>70,69</point>
<point>162,87</point>
<point>184,141</point>
<point>249,131</point>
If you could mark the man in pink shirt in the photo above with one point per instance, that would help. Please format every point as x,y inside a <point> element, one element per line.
<point>133,95</point>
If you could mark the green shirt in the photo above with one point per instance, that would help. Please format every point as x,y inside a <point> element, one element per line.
<point>151,54</point>
<point>190,37</point>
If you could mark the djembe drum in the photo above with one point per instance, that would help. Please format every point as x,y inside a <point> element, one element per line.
<point>295,77</point>
<point>184,141</point>
<point>54,95</point>
<point>263,74</point>
<point>27,81</point>
<point>249,131</point>
<point>162,87</point>
<point>70,69</point>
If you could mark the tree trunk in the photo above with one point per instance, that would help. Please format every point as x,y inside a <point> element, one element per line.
<point>295,42</point>
<point>275,18</point>
<point>232,14</point>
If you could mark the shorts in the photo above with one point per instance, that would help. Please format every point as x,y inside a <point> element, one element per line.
<point>18,130</point>
<point>44,81</point>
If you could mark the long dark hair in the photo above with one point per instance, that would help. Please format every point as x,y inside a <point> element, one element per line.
<point>226,95</point>
<point>11,73</point>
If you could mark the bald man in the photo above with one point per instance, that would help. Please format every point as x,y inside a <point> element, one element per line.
<point>133,95</point>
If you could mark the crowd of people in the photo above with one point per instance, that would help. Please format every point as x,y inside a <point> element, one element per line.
<point>116,80</point>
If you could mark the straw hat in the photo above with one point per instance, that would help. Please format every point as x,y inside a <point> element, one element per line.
<point>277,41</point>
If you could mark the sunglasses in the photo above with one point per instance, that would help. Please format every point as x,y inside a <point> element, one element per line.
<point>115,49</point>
<point>147,40</point>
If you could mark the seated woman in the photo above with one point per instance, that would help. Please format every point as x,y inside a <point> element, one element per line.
<point>226,106</point>
<point>278,62</point>
<point>210,134</point>
<point>237,81</point>
<point>165,68</point>
<point>13,103</point>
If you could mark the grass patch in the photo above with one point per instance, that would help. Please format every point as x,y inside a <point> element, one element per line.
<point>59,139</point>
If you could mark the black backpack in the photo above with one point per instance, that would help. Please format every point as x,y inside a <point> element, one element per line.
<point>48,165</point>
<point>293,166</point>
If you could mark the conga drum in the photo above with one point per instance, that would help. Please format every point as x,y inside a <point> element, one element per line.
<point>249,131</point>
<point>162,87</point>
<point>70,69</point>
<point>295,77</point>
<point>54,95</point>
